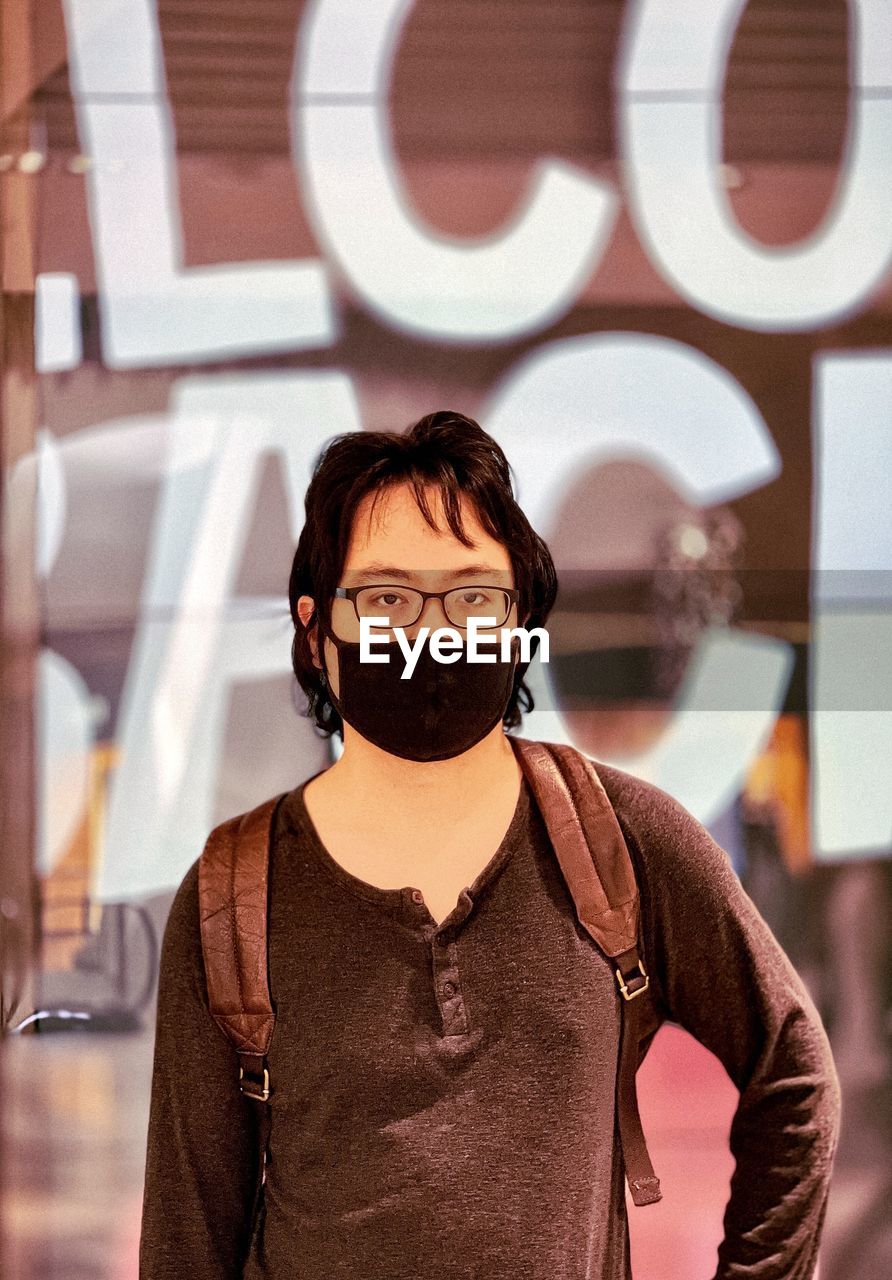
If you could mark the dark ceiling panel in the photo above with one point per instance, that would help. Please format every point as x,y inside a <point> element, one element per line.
<point>482,78</point>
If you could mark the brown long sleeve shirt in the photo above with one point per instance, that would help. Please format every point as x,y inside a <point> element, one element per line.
<point>444,1095</point>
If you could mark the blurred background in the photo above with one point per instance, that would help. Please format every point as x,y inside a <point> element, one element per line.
<point>647,244</point>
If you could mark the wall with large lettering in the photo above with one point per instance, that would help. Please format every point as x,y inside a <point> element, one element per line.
<point>620,254</point>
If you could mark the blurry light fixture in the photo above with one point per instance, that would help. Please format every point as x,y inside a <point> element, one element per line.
<point>31,161</point>
<point>691,541</point>
<point>79,164</point>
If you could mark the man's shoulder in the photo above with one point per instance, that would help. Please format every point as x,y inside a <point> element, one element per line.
<point>649,816</point>
<point>637,801</point>
<point>659,829</point>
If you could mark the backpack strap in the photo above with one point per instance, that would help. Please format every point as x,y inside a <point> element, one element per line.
<point>233,881</point>
<point>600,875</point>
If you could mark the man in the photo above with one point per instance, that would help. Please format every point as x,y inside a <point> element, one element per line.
<point>446,1037</point>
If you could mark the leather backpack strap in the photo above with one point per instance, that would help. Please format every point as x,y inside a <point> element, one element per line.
<point>233,886</point>
<point>600,875</point>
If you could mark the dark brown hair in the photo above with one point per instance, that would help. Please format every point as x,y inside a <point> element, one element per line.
<point>445,449</point>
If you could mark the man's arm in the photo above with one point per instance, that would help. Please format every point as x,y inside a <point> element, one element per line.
<point>202,1150</point>
<point>723,976</point>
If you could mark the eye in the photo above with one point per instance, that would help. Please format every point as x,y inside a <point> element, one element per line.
<point>388,597</point>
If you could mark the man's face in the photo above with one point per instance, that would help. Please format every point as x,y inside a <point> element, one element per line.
<point>399,546</point>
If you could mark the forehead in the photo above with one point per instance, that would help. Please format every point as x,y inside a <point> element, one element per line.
<point>398,535</point>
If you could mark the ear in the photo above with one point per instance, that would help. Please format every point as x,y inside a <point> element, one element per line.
<point>306,611</point>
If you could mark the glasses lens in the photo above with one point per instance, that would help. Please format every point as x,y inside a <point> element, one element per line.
<point>399,605</point>
<point>477,602</point>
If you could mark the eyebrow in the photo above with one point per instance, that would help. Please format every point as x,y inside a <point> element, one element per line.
<point>391,571</point>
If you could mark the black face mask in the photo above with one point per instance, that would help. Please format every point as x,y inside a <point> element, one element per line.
<point>439,711</point>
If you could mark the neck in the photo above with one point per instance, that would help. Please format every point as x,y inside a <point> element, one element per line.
<point>377,781</point>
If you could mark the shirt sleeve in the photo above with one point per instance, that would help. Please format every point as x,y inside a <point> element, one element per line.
<point>202,1146</point>
<point>721,974</point>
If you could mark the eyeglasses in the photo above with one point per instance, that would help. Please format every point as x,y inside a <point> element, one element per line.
<point>402,606</point>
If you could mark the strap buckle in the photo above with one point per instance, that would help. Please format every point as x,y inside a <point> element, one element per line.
<point>637,991</point>
<point>252,1087</point>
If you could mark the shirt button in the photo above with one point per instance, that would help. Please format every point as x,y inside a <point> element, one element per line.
<point>417,895</point>
<point>448,989</point>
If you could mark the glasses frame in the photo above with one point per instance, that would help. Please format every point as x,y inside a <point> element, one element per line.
<point>350,593</point>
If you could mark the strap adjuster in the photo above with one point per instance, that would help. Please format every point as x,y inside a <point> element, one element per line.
<point>637,991</point>
<point>252,1087</point>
